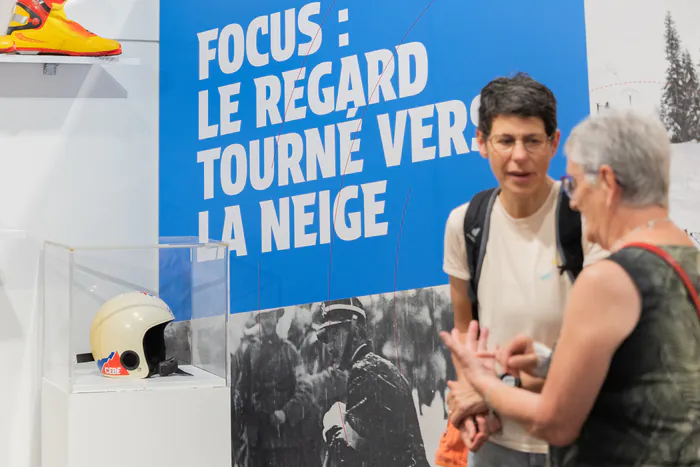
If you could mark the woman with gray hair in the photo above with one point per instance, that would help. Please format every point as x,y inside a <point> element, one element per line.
<point>623,385</point>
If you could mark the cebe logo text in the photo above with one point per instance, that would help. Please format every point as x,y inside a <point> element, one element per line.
<point>112,365</point>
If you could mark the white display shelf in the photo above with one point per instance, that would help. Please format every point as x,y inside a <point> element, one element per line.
<point>51,62</point>
<point>89,380</point>
<point>68,60</point>
<point>62,76</point>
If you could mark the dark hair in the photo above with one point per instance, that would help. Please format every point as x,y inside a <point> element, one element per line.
<point>519,95</point>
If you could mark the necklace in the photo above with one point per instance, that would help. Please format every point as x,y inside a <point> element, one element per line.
<point>651,224</point>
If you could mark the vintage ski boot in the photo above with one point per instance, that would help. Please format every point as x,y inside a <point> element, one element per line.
<point>41,27</point>
<point>7,45</point>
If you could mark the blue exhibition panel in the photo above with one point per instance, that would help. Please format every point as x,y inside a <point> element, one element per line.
<point>328,141</point>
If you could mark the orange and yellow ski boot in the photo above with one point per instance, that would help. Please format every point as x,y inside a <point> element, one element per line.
<point>41,27</point>
<point>7,45</point>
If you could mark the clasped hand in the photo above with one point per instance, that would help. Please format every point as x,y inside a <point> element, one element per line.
<point>467,409</point>
<point>476,365</point>
<point>469,413</point>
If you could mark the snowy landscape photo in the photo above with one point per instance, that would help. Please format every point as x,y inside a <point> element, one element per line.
<point>646,55</point>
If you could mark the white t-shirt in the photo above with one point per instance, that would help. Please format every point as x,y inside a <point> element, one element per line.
<point>520,288</point>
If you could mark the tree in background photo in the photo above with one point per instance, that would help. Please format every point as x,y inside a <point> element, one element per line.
<point>680,102</point>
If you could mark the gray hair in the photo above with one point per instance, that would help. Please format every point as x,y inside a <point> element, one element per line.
<point>637,147</point>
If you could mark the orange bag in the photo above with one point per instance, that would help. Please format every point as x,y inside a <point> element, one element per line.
<point>451,452</point>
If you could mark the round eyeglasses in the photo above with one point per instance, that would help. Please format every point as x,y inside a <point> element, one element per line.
<point>533,144</point>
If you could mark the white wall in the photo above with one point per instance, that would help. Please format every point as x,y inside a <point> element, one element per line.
<point>78,164</point>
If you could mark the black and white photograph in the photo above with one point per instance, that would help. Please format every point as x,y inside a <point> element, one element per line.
<point>350,382</point>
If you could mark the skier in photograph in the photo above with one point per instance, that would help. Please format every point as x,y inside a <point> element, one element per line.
<point>380,421</point>
<point>274,407</point>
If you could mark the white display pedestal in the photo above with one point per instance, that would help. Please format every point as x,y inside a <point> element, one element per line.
<point>178,421</point>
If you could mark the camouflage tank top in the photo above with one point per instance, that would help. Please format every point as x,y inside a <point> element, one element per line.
<point>648,409</point>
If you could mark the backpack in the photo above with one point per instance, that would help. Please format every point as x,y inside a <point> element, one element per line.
<point>476,232</point>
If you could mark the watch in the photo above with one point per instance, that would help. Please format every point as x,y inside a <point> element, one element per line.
<point>511,380</point>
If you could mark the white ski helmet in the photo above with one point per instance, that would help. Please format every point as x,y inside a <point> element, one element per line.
<point>127,335</point>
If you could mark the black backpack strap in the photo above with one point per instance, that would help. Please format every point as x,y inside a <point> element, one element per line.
<point>476,233</point>
<point>569,237</point>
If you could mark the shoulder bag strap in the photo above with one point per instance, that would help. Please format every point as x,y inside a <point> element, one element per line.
<point>675,265</point>
<point>476,231</point>
<point>569,241</point>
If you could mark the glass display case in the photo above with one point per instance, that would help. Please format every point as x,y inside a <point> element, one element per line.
<point>104,309</point>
